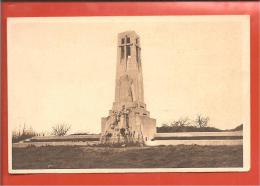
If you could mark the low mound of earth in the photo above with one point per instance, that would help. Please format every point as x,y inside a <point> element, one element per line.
<point>79,157</point>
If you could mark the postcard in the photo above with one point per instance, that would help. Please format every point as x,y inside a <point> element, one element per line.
<point>120,94</point>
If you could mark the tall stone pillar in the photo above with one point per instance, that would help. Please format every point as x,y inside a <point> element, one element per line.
<point>128,121</point>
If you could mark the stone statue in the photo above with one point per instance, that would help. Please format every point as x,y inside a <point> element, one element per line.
<point>125,91</point>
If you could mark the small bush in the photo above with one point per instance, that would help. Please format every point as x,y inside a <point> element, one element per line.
<point>60,129</point>
<point>23,134</point>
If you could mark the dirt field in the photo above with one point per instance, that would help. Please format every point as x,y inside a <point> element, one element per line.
<point>75,157</point>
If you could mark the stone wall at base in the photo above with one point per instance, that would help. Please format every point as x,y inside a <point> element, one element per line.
<point>148,127</point>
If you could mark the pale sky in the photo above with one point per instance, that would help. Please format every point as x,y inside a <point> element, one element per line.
<point>63,69</point>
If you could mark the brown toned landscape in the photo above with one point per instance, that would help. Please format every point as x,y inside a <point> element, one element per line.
<point>183,113</point>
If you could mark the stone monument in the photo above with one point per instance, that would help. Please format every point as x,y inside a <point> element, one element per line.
<point>128,121</point>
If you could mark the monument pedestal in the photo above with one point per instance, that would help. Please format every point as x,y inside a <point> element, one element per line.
<point>131,128</point>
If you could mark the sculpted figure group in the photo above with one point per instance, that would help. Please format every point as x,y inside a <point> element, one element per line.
<point>118,130</point>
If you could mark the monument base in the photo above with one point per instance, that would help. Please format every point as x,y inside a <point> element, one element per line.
<point>130,128</point>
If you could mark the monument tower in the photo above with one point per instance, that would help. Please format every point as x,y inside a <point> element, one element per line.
<point>128,121</point>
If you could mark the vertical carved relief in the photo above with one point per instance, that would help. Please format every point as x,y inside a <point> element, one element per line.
<point>126,94</point>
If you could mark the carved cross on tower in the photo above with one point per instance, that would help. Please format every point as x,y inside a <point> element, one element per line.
<point>126,47</point>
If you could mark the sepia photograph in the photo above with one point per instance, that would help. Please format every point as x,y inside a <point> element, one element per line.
<point>120,94</point>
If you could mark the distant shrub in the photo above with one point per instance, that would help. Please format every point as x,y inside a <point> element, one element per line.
<point>60,129</point>
<point>238,128</point>
<point>187,125</point>
<point>201,121</point>
<point>170,129</point>
<point>200,124</point>
<point>181,122</point>
<point>22,134</point>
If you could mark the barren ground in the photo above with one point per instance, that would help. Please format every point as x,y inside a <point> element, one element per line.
<point>76,157</point>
